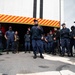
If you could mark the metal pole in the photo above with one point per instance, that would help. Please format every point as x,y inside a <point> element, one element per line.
<point>41,9</point>
<point>34,8</point>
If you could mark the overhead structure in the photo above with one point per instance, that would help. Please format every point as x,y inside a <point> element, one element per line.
<point>25,11</point>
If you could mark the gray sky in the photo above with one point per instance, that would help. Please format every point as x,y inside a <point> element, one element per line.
<point>69,12</point>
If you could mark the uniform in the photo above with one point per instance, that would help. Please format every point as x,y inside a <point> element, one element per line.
<point>65,41</point>
<point>36,39</point>
<point>10,39</point>
<point>42,40</point>
<point>27,42</point>
<point>72,40</point>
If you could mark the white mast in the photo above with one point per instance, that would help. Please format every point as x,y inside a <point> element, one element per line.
<point>62,11</point>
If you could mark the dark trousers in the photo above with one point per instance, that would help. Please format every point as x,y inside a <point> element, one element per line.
<point>8,44</point>
<point>54,47</point>
<point>16,46</point>
<point>1,46</point>
<point>58,46</point>
<point>37,44</point>
<point>46,47</point>
<point>27,46</point>
<point>72,43</point>
<point>50,46</point>
<point>65,43</point>
<point>42,44</point>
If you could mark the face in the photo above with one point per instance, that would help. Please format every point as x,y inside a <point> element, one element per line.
<point>16,32</point>
<point>50,32</point>
<point>10,29</point>
<point>55,29</point>
<point>29,28</point>
<point>36,22</point>
<point>63,26</point>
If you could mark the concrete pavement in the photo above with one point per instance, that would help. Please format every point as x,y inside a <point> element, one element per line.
<point>24,64</point>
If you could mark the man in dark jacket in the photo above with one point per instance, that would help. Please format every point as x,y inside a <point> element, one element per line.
<point>9,36</point>
<point>72,39</point>
<point>36,35</point>
<point>56,37</point>
<point>65,39</point>
<point>1,46</point>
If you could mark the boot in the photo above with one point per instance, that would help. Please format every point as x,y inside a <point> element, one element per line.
<point>41,56</point>
<point>35,56</point>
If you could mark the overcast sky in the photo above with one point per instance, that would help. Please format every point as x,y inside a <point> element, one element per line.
<point>69,12</point>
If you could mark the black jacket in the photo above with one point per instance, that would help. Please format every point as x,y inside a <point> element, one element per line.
<point>72,34</point>
<point>50,38</point>
<point>65,33</point>
<point>1,35</point>
<point>56,35</point>
<point>36,33</point>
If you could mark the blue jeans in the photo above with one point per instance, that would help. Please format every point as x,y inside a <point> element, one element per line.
<point>8,44</point>
<point>27,46</point>
<point>37,44</point>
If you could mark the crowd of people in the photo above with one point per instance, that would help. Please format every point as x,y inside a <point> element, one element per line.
<point>59,41</point>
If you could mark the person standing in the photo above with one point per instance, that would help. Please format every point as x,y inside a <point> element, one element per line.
<point>27,42</point>
<point>16,42</point>
<point>36,35</point>
<point>1,45</point>
<point>9,36</point>
<point>72,39</point>
<point>56,38</point>
<point>65,39</point>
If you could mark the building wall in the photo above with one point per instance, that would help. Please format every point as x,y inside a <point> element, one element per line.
<point>69,12</point>
<point>51,9</point>
<point>17,7</point>
<point>25,8</point>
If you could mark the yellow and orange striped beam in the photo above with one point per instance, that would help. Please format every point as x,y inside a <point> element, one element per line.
<point>28,20</point>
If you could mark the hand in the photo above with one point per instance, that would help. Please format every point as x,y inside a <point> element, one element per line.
<point>54,38</point>
<point>14,40</point>
<point>74,37</point>
<point>28,29</point>
<point>42,38</point>
<point>38,27</point>
<point>6,38</point>
<point>46,40</point>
